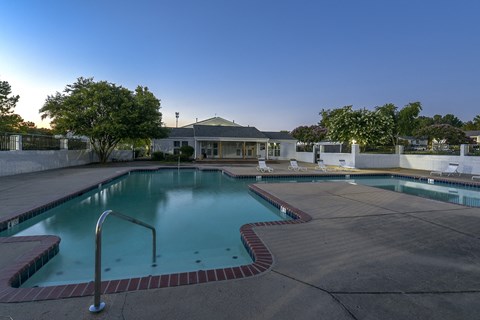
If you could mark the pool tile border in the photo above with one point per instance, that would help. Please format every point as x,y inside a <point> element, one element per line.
<point>18,272</point>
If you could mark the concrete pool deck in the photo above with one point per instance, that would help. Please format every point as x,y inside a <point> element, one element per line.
<point>366,254</point>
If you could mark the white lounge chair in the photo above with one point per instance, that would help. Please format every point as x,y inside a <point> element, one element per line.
<point>321,166</point>
<point>262,166</point>
<point>451,169</point>
<point>295,167</point>
<point>343,165</point>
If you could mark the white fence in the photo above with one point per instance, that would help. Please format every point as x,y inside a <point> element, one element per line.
<point>15,162</point>
<point>467,164</point>
<point>305,156</point>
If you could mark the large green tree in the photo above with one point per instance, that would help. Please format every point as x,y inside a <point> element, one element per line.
<point>105,113</point>
<point>363,126</point>
<point>405,121</point>
<point>472,125</point>
<point>408,118</point>
<point>443,134</point>
<point>449,119</point>
<point>9,121</point>
<point>309,134</point>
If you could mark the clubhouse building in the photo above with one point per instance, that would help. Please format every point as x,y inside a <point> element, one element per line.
<point>217,138</point>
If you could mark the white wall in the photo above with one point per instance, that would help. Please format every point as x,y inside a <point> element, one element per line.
<point>15,162</point>
<point>365,161</point>
<point>467,164</point>
<point>288,150</point>
<point>305,157</point>
<point>118,155</point>
<point>331,159</point>
<point>166,145</point>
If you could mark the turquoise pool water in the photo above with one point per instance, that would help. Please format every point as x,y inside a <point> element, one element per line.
<point>197,215</point>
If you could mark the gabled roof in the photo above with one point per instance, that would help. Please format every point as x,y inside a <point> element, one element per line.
<point>412,138</point>
<point>278,135</point>
<point>215,121</point>
<point>227,132</point>
<point>180,133</point>
<point>472,133</point>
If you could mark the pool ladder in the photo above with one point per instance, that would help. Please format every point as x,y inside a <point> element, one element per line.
<point>98,305</point>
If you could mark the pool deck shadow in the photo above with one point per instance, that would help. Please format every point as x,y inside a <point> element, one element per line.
<point>365,254</point>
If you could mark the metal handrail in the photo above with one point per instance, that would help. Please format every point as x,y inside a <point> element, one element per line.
<point>98,305</point>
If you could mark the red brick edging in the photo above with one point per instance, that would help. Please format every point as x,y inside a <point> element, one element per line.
<point>14,275</point>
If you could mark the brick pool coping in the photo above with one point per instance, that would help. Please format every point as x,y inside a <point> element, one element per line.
<point>18,272</point>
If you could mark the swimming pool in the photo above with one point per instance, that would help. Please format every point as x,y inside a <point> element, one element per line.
<point>197,215</point>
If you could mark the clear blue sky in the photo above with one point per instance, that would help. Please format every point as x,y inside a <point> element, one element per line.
<point>269,64</point>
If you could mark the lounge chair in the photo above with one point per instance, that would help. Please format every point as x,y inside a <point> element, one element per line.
<point>321,166</point>
<point>262,166</point>
<point>343,165</point>
<point>295,167</point>
<point>451,169</point>
<point>475,177</point>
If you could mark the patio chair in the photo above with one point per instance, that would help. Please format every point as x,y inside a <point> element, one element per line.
<point>295,167</point>
<point>451,169</point>
<point>321,166</point>
<point>262,166</point>
<point>475,177</point>
<point>343,165</point>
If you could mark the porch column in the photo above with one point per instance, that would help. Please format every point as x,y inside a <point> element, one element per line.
<point>220,153</point>
<point>195,154</point>
<point>244,149</point>
<point>266,150</point>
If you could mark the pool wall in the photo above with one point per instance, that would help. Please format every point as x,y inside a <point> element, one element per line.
<point>49,247</point>
<point>17,273</point>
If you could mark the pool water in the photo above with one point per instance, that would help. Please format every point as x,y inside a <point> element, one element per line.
<point>468,196</point>
<point>197,215</point>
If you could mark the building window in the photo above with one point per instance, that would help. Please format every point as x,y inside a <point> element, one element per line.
<point>274,149</point>
<point>176,146</point>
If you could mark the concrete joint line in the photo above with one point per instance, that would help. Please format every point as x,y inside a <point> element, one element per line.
<point>402,292</point>
<point>443,226</point>
<point>344,307</point>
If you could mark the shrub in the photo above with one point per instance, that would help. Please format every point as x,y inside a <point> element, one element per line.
<point>158,156</point>
<point>187,151</point>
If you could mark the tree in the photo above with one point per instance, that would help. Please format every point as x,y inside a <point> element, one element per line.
<point>9,121</point>
<point>408,118</point>
<point>364,126</point>
<point>326,115</point>
<point>424,121</point>
<point>472,125</point>
<point>105,113</point>
<point>443,133</point>
<point>309,134</point>
<point>404,121</point>
<point>448,119</point>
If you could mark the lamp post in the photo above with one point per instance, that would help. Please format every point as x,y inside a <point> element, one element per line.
<point>177,114</point>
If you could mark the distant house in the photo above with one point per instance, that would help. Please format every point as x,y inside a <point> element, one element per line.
<point>415,143</point>
<point>217,138</point>
<point>474,135</point>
